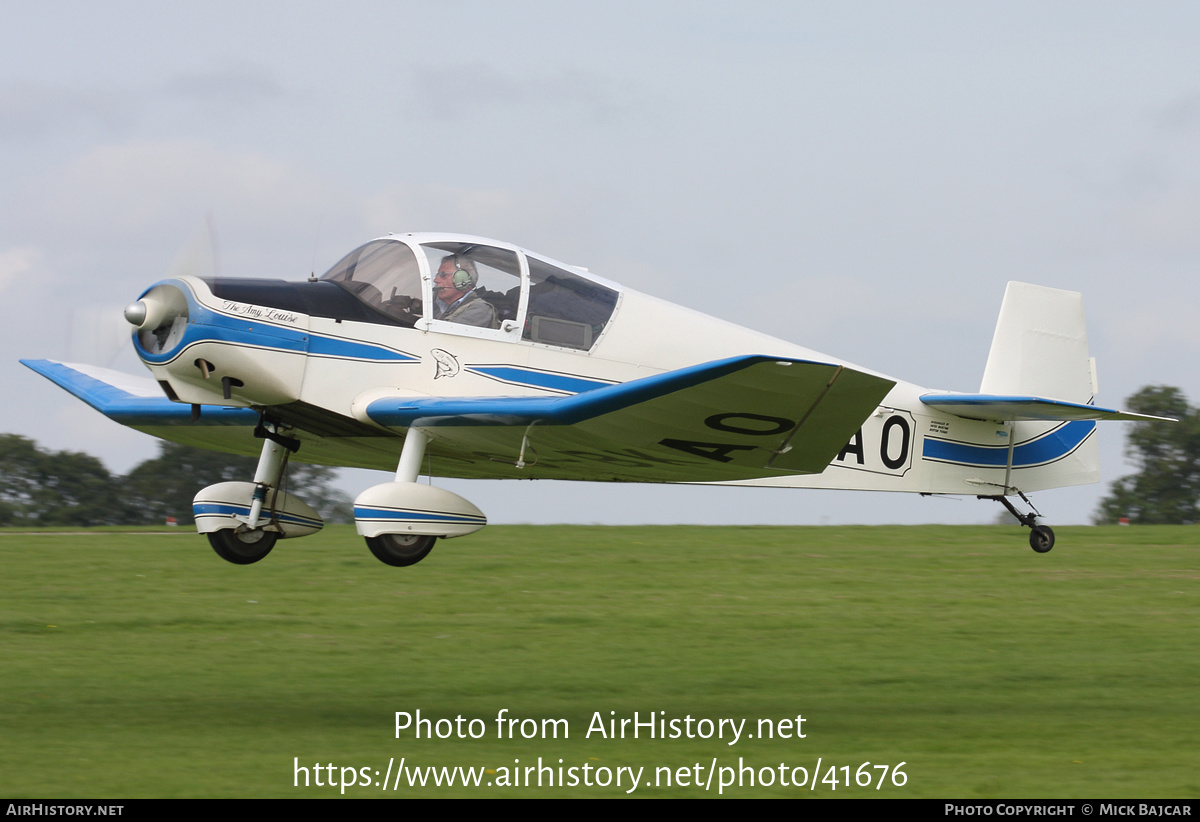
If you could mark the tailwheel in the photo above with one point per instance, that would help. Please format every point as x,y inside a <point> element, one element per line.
<point>400,550</point>
<point>242,547</point>
<point>1041,538</point>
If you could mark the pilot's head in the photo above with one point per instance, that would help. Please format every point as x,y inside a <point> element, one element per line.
<point>455,277</point>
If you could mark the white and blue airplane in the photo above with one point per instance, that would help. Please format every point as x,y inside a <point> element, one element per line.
<point>457,356</point>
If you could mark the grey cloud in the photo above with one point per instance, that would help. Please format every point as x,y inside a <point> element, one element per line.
<point>237,85</point>
<point>31,109</point>
<point>1181,114</point>
<point>457,92</point>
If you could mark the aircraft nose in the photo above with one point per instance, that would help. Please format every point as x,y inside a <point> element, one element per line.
<point>160,318</point>
<point>135,313</point>
<point>148,312</point>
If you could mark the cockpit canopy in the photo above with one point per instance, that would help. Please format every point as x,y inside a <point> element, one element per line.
<point>437,279</point>
<point>383,274</point>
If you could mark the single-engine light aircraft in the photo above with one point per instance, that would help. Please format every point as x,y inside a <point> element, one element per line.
<point>457,356</point>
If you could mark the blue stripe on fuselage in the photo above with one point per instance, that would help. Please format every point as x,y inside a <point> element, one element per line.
<point>205,324</point>
<point>567,383</point>
<point>1053,445</point>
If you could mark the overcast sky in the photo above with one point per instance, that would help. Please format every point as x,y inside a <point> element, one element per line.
<point>860,178</point>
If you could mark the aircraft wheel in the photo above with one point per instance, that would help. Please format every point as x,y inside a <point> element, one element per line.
<point>1041,538</point>
<point>400,550</point>
<point>242,548</point>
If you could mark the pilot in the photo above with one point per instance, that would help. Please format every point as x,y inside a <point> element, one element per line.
<point>456,300</point>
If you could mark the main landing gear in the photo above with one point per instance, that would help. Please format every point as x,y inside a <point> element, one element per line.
<point>1041,537</point>
<point>243,520</point>
<point>402,520</point>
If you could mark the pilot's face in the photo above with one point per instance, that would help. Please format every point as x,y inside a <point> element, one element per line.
<point>444,282</point>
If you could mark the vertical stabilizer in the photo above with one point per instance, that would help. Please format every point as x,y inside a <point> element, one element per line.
<point>1040,347</point>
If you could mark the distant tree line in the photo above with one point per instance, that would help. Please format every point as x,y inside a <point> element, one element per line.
<point>41,487</point>
<point>1166,487</point>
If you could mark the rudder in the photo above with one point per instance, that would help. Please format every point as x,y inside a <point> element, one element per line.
<point>1040,346</point>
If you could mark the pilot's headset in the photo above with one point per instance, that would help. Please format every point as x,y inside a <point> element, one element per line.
<point>465,275</point>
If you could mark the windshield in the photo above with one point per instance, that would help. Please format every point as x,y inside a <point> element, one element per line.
<point>383,274</point>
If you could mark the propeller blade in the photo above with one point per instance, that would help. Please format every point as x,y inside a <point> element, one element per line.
<point>199,257</point>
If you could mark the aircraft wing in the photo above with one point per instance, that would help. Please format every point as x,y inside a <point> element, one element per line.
<point>742,417</point>
<point>1018,408</point>
<point>739,418</point>
<point>130,400</point>
<point>139,403</point>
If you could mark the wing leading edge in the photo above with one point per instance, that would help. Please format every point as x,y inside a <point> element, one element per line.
<point>741,417</point>
<point>134,401</point>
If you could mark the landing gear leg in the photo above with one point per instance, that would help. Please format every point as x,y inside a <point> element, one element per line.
<point>271,463</point>
<point>401,550</point>
<point>1041,537</point>
<point>411,455</point>
<point>251,541</point>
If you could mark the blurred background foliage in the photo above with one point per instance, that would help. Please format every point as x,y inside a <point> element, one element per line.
<point>40,487</point>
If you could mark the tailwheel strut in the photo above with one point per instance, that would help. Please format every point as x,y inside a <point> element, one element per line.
<point>1041,537</point>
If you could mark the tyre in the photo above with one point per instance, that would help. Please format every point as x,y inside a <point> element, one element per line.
<point>242,548</point>
<point>1041,539</point>
<point>400,550</point>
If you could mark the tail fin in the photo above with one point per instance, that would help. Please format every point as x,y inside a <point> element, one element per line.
<point>1041,380</point>
<point>1039,368</point>
<point>1040,347</point>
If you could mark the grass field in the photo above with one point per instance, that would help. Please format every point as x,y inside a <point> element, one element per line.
<point>139,664</point>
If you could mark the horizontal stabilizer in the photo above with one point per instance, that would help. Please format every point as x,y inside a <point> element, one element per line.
<point>1019,408</point>
<point>130,400</point>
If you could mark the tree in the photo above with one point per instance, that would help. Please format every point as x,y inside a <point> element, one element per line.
<point>165,486</point>
<point>19,460</point>
<point>39,487</point>
<point>1166,488</point>
<point>314,485</point>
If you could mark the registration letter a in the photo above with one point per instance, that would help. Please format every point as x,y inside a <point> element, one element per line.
<point>854,447</point>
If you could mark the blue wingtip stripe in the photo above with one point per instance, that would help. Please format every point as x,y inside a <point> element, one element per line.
<point>128,409</point>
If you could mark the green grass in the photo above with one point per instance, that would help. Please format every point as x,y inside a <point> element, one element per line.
<point>139,664</point>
